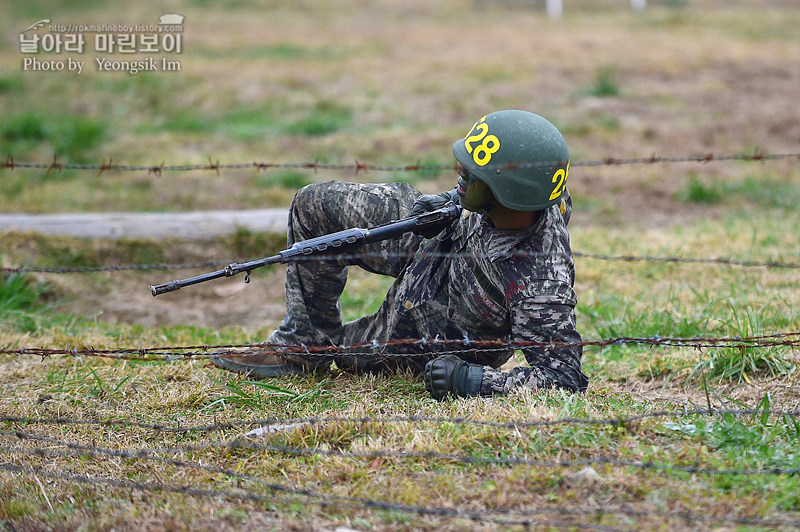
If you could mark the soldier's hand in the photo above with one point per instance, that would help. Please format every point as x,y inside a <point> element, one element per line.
<point>431,202</point>
<point>449,374</point>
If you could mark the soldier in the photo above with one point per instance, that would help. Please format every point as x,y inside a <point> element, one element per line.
<point>503,272</point>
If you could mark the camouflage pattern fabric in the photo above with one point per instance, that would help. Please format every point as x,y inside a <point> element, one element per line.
<point>502,285</point>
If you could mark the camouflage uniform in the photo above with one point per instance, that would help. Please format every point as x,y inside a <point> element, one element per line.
<point>484,293</point>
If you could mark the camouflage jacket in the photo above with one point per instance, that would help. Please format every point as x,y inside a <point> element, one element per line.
<point>471,282</point>
<point>515,285</point>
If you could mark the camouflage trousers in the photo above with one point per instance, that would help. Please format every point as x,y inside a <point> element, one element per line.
<point>313,315</point>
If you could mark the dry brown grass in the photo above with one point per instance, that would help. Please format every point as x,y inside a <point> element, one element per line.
<point>721,77</point>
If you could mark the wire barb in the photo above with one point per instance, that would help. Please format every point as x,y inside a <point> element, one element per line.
<point>212,166</point>
<point>726,261</point>
<point>104,166</point>
<point>156,170</point>
<point>422,347</point>
<point>358,166</point>
<point>55,165</point>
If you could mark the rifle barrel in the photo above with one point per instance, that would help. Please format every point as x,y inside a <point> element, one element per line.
<point>177,285</point>
<point>336,242</point>
<point>229,271</point>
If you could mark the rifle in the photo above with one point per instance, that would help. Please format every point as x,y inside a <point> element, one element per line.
<point>427,224</point>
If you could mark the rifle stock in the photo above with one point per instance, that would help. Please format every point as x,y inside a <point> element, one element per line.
<point>427,224</point>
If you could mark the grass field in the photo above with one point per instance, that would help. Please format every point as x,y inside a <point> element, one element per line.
<point>90,443</point>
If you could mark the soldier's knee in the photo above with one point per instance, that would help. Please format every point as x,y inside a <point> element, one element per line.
<point>308,194</point>
<point>308,199</point>
<point>320,193</point>
<point>315,210</point>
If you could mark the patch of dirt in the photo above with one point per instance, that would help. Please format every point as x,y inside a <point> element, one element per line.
<point>215,304</point>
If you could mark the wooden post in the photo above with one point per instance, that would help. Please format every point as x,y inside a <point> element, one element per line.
<point>554,8</point>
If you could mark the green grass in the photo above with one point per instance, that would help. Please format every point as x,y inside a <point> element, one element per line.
<point>286,51</point>
<point>22,132</point>
<point>383,83</point>
<point>291,179</point>
<point>326,117</point>
<point>88,380</point>
<point>606,83</point>
<point>29,306</point>
<point>73,138</point>
<point>259,395</point>
<point>12,83</point>
<point>254,123</point>
<point>363,295</point>
<point>612,317</point>
<point>699,191</point>
<point>759,441</point>
<point>20,301</point>
<point>765,190</point>
<point>595,124</point>
<point>674,315</point>
<point>616,299</point>
<point>430,168</point>
<point>737,362</point>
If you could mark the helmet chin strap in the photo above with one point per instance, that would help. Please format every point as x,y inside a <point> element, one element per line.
<point>488,206</point>
<point>491,203</point>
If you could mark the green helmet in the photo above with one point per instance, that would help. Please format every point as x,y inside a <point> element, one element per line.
<point>521,157</point>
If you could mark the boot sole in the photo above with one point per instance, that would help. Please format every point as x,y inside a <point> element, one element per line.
<point>255,370</point>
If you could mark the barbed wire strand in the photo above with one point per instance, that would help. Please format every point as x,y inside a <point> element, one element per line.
<point>723,261</point>
<point>418,347</point>
<point>358,167</point>
<point>433,455</point>
<point>241,494</point>
<point>78,450</point>
<point>317,498</point>
<point>560,511</point>
<point>509,425</point>
<point>325,500</point>
<point>331,499</point>
<point>485,515</point>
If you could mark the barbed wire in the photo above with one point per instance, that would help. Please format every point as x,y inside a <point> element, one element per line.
<point>359,167</point>
<point>317,498</point>
<point>432,455</point>
<point>560,511</point>
<point>501,516</point>
<point>361,421</point>
<point>111,267</point>
<point>723,261</point>
<point>484,515</point>
<point>241,494</point>
<point>421,346</point>
<point>150,454</point>
<point>567,516</point>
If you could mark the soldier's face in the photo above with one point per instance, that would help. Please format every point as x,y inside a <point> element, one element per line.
<point>474,194</point>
